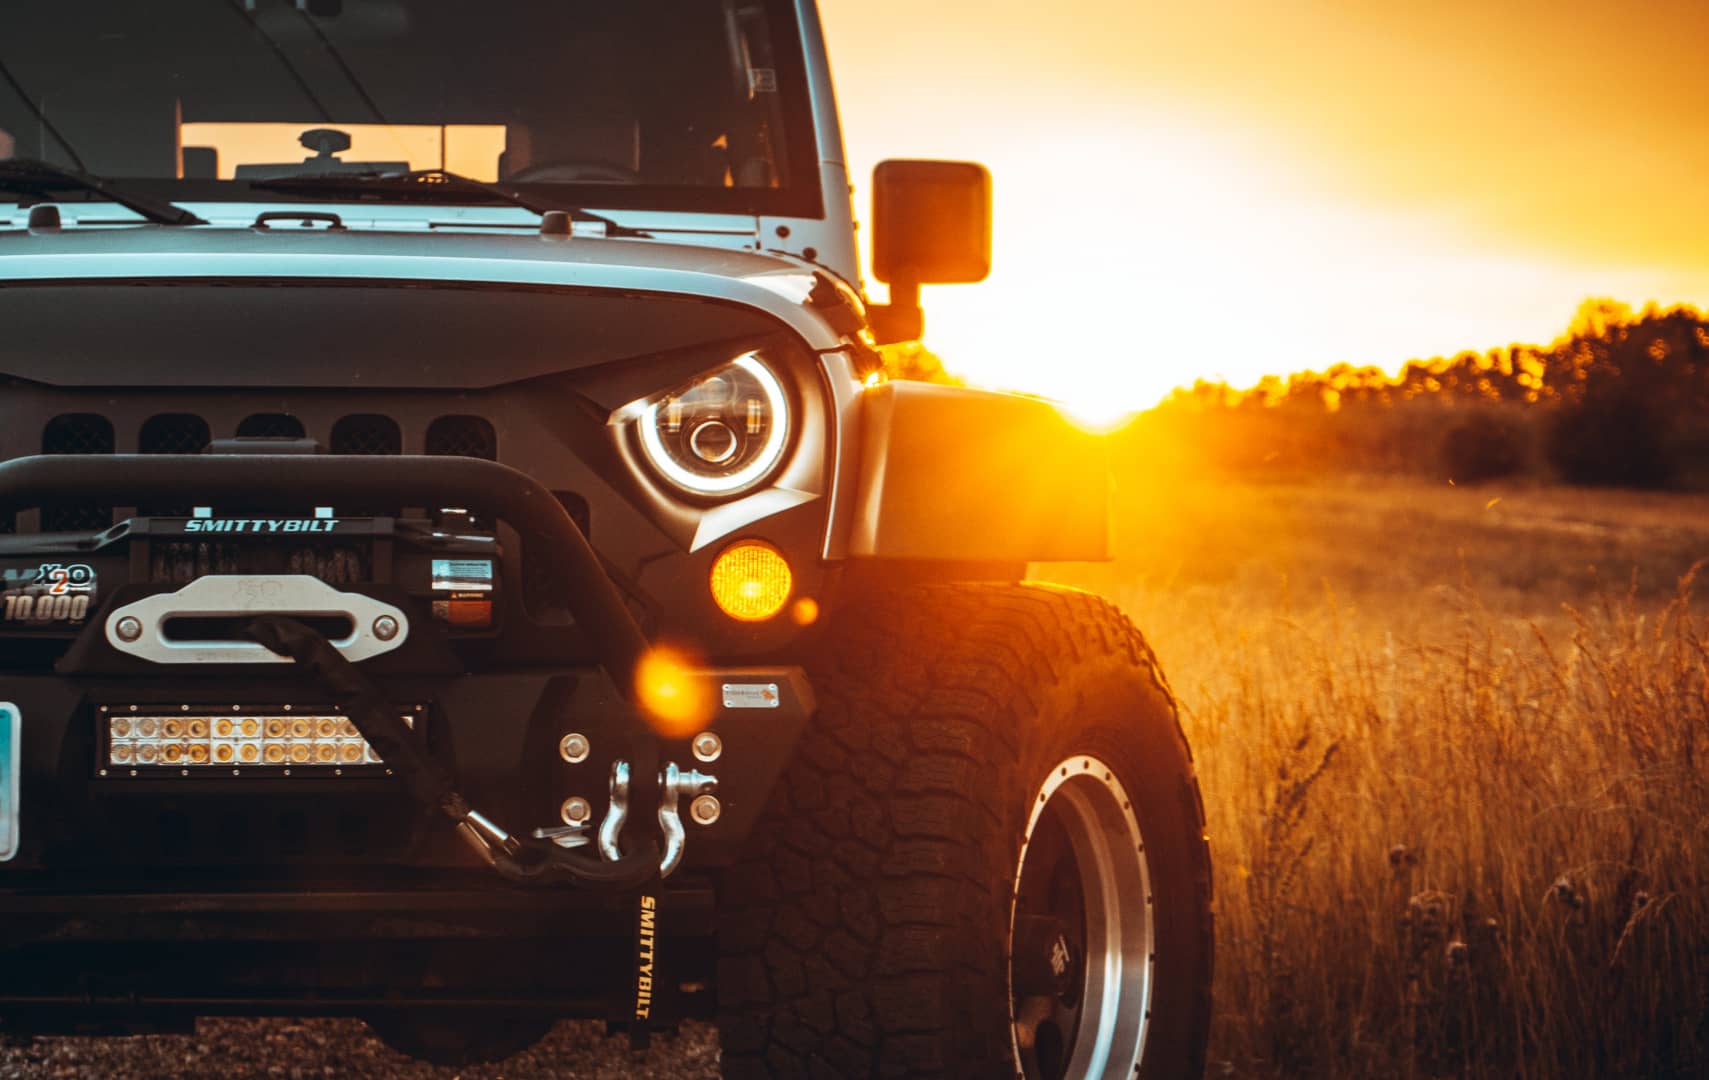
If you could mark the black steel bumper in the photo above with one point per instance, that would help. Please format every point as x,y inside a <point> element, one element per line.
<point>144,862</point>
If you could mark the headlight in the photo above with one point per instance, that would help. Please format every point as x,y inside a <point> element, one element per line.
<point>721,435</point>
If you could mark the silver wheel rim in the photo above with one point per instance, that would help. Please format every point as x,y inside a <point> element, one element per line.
<point>1083,853</point>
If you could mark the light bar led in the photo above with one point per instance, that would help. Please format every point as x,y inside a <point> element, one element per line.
<point>203,741</point>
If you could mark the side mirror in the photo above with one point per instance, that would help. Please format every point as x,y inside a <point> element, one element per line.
<point>931,225</point>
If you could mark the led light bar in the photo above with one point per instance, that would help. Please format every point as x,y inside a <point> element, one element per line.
<point>139,740</point>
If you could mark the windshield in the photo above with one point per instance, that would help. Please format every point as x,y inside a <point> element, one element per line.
<point>667,104</point>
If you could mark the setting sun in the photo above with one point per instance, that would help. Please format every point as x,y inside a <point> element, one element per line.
<point>1256,188</point>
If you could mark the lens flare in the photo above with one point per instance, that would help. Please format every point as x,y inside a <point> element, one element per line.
<point>674,696</point>
<point>804,611</point>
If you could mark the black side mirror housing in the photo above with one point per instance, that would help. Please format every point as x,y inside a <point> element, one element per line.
<point>931,225</point>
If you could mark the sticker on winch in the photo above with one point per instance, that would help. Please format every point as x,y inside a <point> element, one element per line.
<point>462,575</point>
<point>10,723</point>
<point>471,611</point>
<point>750,696</point>
<point>52,594</point>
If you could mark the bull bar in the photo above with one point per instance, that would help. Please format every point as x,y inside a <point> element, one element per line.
<point>484,487</point>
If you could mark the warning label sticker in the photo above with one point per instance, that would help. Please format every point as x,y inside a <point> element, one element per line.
<point>462,575</point>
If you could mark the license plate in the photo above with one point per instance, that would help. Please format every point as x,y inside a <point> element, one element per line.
<point>9,768</point>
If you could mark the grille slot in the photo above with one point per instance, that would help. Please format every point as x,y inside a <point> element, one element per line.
<point>77,433</point>
<point>270,426</point>
<point>367,434</point>
<point>172,433</point>
<point>462,436</point>
<point>373,435</point>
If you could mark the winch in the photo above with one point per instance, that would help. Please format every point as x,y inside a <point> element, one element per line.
<point>52,583</point>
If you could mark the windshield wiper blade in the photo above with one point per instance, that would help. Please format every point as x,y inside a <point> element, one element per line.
<point>434,185</point>
<point>41,179</point>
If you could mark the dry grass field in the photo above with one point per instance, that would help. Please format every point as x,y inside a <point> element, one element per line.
<point>1454,745</point>
<point>1449,744</point>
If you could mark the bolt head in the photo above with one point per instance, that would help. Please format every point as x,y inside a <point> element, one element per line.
<point>705,809</point>
<point>707,746</point>
<point>576,810</point>
<point>129,628</point>
<point>574,748</point>
<point>385,628</point>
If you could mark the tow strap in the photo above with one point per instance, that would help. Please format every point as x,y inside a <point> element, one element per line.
<point>522,861</point>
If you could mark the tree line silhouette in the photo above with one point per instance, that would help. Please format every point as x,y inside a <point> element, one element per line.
<point>1620,399</point>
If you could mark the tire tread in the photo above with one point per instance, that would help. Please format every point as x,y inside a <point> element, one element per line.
<point>924,696</point>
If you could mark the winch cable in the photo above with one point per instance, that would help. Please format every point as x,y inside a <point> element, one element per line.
<point>523,861</point>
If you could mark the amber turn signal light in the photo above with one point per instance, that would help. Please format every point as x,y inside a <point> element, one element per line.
<point>751,581</point>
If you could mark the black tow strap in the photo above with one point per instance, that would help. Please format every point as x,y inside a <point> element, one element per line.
<point>523,861</point>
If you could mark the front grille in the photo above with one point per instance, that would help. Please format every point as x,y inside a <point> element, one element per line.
<point>172,433</point>
<point>371,435</point>
<point>454,435</point>
<point>367,434</point>
<point>462,436</point>
<point>270,426</point>
<point>77,433</point>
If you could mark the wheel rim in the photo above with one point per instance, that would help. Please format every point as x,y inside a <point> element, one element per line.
<point>1081,931</point>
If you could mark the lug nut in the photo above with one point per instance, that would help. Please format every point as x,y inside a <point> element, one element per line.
<point>574,748</point>
<point>707,746</point>
<point>705,809</point>
<point>129,628</point>
<point>385,628</point>
<point>575,811</point>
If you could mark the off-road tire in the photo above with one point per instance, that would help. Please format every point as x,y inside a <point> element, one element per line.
<point>864,930</point>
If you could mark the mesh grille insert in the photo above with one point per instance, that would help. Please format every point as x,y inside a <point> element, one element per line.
<point>462,436</point>
<point>367,434</point>
<point>77,433</point>
<point>270,426</point>
<point>173,433</point>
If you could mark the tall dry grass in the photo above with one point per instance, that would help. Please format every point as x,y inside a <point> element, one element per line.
<point>1451,839</point>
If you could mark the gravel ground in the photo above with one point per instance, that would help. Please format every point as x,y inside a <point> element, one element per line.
<point>304,1049</point>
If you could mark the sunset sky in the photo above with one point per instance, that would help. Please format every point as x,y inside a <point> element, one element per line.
<point>1226,188</point>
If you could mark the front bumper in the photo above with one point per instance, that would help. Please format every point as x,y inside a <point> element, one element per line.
<point>85,831</point>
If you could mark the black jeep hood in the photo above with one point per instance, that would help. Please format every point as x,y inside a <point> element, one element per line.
<point>297,333</point>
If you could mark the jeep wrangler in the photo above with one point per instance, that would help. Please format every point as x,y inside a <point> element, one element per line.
<point>464,566</point>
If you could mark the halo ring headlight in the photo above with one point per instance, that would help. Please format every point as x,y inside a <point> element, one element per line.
<point>723,434</point>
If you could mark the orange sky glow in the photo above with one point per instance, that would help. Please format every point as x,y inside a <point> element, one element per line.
<point>1229,188</point>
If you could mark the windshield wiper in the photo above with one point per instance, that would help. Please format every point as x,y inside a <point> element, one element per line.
<point>31,177</point>
<point>432,185</point>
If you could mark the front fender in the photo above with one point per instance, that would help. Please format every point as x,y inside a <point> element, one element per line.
<point>972,476</point>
